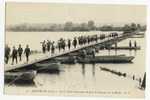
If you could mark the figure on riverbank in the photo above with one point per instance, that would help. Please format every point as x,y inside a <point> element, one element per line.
<point>7,53</point>
<point>20,50</point>
<point>27,52</point>
<point>14,55</point>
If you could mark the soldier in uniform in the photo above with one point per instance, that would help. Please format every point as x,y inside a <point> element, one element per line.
<point>59,45</point>
<point>14,55</point>
<point>20,50</point>
<point>7,54</point>
<point>27,52</point>
<point>74,42</point>
<point>52,48</point>
<point>69,44</point>
<point>48,45</point>
<point>43,47</point>
<point>63,44</point>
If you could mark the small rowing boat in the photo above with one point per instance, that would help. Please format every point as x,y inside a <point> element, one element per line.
<point>20,77</point>
<point>47,67</point>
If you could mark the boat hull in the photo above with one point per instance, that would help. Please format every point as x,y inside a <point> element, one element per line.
<point>97,59</point>
<point>20,77</point>
<point>47,67</point>
<point>106,59</point>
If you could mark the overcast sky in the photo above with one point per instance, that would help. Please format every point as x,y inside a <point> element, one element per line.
<point>17,13</point>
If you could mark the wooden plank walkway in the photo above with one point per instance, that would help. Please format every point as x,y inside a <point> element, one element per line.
<point>36,58</point>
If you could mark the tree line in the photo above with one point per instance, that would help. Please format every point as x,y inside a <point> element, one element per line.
<point>70,26</point>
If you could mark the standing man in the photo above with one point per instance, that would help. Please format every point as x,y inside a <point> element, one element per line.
<point>48,45</point>
<point>63,44</point>
<point>27,52</point>
<point>20,50</point>
<point>43,47</point>
<point>69,44</point>
<point>14,55</point>
<point>7,54</point>
<point>52,48</point>
<point>59,45</point>
<point>75,42</point>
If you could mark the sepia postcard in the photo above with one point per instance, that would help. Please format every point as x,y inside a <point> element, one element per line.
<point>62,49</point>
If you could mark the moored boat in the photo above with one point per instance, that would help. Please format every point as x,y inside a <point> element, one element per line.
<point>96,59</point>
<point>47,67</point>
<point>106,59</point>
<point>20,77</point>
<point>66,59</point>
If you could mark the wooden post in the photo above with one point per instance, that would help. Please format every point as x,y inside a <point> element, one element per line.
<point>116,48</point>
<point>143,85</point>
<point>130,46</point>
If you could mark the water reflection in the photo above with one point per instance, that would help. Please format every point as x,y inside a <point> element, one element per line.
<point>130,52</point>
<point>93,70</point>
<point>83,69</point>
<point>135,52</point>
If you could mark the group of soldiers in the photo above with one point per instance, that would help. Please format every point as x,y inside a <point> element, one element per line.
<point>51,46</point>
<point>61,44</point>
<point>47,46</point>
<point>16,52</point>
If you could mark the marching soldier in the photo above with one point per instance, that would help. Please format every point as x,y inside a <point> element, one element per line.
<point>74,42</point>
<point>52,48</point>
<point>48,45</point>
<point>43,47</point>
<point>7,54</point>
<point>20,50</point>
<point>14,55</point>
<point>27,52</point>
<point>69,44</point>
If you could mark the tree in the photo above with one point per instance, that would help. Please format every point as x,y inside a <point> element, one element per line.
<point>126,28</point>
<point>91,25</point>
<point>133,26</point>
<point>84,27</point>
<point>138,26</point>
<point>68,26</point>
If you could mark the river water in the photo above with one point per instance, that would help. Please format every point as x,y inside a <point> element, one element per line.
<point>79,79</point>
